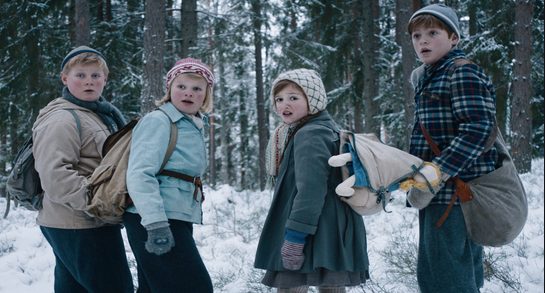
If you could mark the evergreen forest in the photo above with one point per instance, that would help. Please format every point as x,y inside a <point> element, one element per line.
<point>361,49</point>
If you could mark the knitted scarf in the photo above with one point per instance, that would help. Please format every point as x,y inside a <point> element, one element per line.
<point>108,113</point>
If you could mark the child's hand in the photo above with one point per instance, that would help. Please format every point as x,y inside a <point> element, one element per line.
<point>160,239</point>
<point>431,174</point>
<point>292,249</point>
<point>428,174</point>
<point>424,185</point>
<point>292,255</point>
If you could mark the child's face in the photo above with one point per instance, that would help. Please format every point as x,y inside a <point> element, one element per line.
<point>187,93</point>
<point>291,104</point>
<point>432,44</point>
<point>85,82</point>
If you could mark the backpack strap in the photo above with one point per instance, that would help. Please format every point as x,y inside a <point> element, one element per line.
<point>78,121</point>
<point>170,149</point>
<point>171,142</point>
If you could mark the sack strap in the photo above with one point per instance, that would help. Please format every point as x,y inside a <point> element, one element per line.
<point>461,190</point>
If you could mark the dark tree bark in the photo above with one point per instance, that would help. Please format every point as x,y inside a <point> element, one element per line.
<point>263,133</point>
<point>521,115</point>
<point>404,10</point>
<point>189,27</point>
<point>357,81</point>
<point>370,60</point>
<point>108,10</point>
<point>83,32</point>
<point>154,48</point>
<point>100,10</point>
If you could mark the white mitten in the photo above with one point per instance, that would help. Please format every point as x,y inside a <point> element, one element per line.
<point>339,160</point>
<point>346,187</point>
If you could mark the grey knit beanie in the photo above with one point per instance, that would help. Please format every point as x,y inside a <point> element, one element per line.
<point>312,85</point>
<point>80,50</point>
<point>444,13</point>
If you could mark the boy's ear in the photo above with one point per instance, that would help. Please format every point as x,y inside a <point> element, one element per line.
<point>454,39</point>
<point>63,78</point>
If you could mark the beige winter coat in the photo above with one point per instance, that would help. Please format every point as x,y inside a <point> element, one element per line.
<point>65,158</point>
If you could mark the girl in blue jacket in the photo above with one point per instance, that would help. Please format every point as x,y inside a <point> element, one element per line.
<point>160,222</point>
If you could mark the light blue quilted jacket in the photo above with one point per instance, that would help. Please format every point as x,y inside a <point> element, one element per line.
<point>158,198</point>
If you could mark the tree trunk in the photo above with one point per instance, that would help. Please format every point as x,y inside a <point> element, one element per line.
<point>244,142</point>
<point>263,133</point>
<point>189,27</point>
<point>100,10</point>
<point>154,48</point>
<point>521,115</point>
<point>108,11</point>
<point>83,32</point>
<point>357,74</point>
<point>370,61</point>
<point>404,10</point>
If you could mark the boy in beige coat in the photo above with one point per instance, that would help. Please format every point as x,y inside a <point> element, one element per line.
<point>89,255</point>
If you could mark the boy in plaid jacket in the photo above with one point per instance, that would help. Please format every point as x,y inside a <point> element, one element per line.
<point>455,103</point>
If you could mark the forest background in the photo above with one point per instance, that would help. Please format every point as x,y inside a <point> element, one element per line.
<point>361,48</point>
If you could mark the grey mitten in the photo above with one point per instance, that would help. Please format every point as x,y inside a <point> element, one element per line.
<point>419,198</point>
<point>160,239</point>
<point>292,255</point>
<point>292,250</point>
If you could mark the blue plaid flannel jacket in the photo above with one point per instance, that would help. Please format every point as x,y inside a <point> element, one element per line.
<point>457,106</point>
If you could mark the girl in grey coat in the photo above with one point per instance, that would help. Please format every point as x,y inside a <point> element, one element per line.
<point>310,237</point>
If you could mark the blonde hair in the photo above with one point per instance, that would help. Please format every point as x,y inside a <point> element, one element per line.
<point>429,21</point>
<point>208,102</point>
<point>87,58</point>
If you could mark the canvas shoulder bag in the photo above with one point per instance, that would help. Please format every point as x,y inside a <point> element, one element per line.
<point>495,206</point>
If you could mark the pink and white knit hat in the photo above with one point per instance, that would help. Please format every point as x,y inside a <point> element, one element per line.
<point>190,65</point>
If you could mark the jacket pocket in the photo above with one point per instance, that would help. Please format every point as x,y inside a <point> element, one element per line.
<point>177,195</point>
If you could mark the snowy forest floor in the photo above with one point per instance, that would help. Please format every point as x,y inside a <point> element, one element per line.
<point>232,224</point>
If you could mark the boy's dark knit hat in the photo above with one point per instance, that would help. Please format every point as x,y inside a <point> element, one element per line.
<point>444,13</point>
<point>80,50</point>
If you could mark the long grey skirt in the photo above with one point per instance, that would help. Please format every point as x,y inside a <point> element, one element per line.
<point>319,278</point>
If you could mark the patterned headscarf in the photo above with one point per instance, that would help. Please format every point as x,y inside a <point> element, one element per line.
<point>313,87</point>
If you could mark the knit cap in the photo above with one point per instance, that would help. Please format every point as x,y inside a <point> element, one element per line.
<point>80,50</point>
<point>190,65</point>
<point>444,13</point>
<point>312,86</point>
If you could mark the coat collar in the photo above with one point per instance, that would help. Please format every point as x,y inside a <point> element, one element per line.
<point>175,115</point>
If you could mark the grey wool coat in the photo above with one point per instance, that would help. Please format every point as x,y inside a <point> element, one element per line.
<point>304,200</point>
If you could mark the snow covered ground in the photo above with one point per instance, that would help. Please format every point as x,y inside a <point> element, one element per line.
<point>228,239</point>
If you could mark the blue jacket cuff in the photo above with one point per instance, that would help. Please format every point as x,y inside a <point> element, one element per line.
<point>295,236</point>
